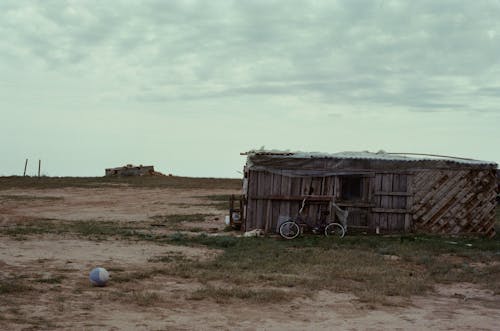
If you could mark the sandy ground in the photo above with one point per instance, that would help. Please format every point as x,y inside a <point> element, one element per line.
<point>116,204</point>
<point>72,304</point>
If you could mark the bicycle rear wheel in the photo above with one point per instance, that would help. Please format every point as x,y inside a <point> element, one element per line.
<point>334,230</point>
<point>289,230</point>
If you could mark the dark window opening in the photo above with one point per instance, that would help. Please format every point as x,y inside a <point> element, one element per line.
<point>351,188</point>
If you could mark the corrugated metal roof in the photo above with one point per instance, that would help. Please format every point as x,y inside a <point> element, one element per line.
<point>381,155</point>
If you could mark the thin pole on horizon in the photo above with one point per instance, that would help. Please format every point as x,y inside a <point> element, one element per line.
<point>39,166</point>
<point>25,165</point>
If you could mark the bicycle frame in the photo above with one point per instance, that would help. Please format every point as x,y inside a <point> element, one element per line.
<point>303,221</point>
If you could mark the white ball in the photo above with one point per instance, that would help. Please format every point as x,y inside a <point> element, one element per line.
<point>99,276</point>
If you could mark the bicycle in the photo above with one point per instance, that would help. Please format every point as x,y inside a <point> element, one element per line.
<point>293,227</point>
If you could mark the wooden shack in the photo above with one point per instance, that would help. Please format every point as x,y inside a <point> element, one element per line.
<point>384,192</point>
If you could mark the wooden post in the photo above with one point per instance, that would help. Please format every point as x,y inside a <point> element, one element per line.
<point>268,217</point>
<point>25,165</point>
<point>39,165</point>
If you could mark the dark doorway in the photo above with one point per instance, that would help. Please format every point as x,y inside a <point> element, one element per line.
<point>351,187</point>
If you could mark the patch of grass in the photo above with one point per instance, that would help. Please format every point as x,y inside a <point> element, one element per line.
<point>13,286</point>
<point>92,229</point>
<point>223,295</point>
<point>125,277</point>
<point>170,257</point>
<point>195,229</point>
<point>146,299</point>
<point>34,322</point>
<point>175,219</point>
<point>93,182</point>
<point>304,266</point>
<point>140,298</point>
<point>52,280</point>
<point>29,197</point>
<point>219,201</point>
<point>355,264</point>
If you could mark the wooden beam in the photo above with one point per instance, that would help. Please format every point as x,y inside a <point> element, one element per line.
<point>389,210</point>
<point>295,197</point>
<point>358,204</point>
<point>405,194</point>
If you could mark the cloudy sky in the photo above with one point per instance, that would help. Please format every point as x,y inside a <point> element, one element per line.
<point>188,85</point>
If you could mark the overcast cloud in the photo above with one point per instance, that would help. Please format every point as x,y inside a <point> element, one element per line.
<point>187,85</point>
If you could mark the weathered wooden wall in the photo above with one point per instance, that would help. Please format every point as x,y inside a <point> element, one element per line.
<point>454,201</point>
<point>263,211</point>
<point>392,197</point>
<point>383,206</point>
<point>431,201</point>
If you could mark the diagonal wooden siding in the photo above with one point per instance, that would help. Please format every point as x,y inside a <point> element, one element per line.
<point>454,201</point>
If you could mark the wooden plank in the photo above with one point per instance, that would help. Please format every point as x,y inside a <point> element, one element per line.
<point>267,207</point>
<point>402,194</point>
<point>365,188</point>
<point>315,189</point>
<point>296,185</point>
<point>268,217</point>
<point>259,203</point>
<point>286,186</point>
<point>371,220</point>
<point>428,183</point>
<point>452,212</point>
<point>371,189</point>
<point>262,188</point>
<point>275,205</point>
<point>305,189</point>
<point>328,186</point>
<point>336,188</point>
<point>400,186</point>
<point>384,227</point>
<point>311,198</point>
<point>306,186</point>
<point>386,186</point>
<point>408,225</point>
<point>377,218</point>
<point>432,197</point>
<point>395,202</point>
<point>449,200</point>
<point>440,186</point>
<point>435,198</point>
<point>389,210</point>
<point>251,221</point>
<point>355,204</point>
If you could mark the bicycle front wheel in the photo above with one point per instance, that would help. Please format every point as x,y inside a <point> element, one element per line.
<point>289,230</point>
<point>334,230</point>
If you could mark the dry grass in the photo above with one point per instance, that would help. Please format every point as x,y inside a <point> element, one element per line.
<point>306,269</point>
<point>374,268</point>
<point>21,197</point>
<point>356,264</point>
<point>176,219</point>
<point>140,298</point>
<point>14,286</point>
<point>225,295</point>
<point>101,230</point>
<point>219,201</point>
<point>92,182</point>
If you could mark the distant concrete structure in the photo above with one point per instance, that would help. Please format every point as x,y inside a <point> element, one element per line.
<point>131,170</point>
